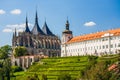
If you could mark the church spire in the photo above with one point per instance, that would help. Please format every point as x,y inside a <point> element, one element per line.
<point>36,29</point>
<point>26,26</point>
<point>36,18</point>
<point>46,30</point>
<point>15,33</point>
<point>67,25</point>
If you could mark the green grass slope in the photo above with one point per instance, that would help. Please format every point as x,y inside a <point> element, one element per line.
<point>53,67</point>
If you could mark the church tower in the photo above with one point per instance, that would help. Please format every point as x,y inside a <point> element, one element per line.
<point>66,34</point>
<point>36,29</point>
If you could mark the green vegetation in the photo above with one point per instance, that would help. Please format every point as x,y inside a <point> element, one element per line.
<point>5,63</point>
<point>5,51</point>
<point>66,68</point>
<point>20,51</point>
<point>16,69</point>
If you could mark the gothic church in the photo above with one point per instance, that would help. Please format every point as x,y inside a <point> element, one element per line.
<point>37,41</point>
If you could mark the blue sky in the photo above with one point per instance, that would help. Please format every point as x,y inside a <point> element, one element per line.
<point>85,16</point>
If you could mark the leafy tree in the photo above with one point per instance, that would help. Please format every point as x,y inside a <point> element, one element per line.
<point>98,72</point>
<point>20,51</point>
<point>116,73</point>
<point>1,74</point>
<point>7,68</point>
<point>5,51</point>
<point>5,62</point>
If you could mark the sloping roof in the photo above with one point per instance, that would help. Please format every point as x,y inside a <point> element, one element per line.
<point>96,35</point>
<point>26,26</point>
<point>46,30</point>
<point>36,29</point>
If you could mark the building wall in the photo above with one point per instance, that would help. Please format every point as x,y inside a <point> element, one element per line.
<point>37,44</point>
<point>100,46</point>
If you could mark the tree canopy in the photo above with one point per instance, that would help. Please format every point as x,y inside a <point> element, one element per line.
<point>20,51</point>
<point>5,51</point>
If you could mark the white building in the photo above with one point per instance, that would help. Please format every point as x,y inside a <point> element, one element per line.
<point>99,43</point>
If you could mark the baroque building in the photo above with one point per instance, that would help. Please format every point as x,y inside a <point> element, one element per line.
<point>38,41</point>
<point>99,43</point>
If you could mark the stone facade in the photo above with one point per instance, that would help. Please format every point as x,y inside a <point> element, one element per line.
<point>99,43</point>
<point>38,41</point>
<point>26,61</point>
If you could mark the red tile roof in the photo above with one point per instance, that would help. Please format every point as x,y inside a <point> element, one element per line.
<point>96,35</point>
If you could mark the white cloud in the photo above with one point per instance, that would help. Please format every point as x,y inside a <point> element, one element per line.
<point>16,11</point>
<point>22,25</point>
<point>2,11</point>
<point>20,30</point>
<point>19,27</point>
<point>7,30</point>
<point>91,23</point>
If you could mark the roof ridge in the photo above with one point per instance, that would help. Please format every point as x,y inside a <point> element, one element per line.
<point>46,29</point>
<point>94,35</point>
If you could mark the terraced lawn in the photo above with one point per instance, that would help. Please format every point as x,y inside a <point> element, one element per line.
<point>53,67</point>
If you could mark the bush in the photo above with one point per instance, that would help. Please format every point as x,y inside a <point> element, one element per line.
<point>16,69</point>
<point>65,76</point>
<point>34,77</point>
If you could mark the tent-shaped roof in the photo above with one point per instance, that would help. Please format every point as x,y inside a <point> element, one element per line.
<point>46,30</point>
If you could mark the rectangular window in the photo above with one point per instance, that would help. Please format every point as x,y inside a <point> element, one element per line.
<point>115,45</point>
<point>103,47</point>
<point>106,46</point>
<point>119,45</point>
<point>111,46</point>
<point>100,47</point>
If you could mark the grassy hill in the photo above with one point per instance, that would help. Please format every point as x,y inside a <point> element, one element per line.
<point>53,67</point>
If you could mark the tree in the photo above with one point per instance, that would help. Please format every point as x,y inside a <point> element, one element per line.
<point>116,72</point>
<point>5,62</point>
<point>98,72</point>
<point>20,51</point>
<point>5,51</point>
<point>1,74</point>
<point>7,68</point>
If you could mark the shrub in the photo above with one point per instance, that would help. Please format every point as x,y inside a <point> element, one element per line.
<point>43,77</point>
<point>34,77</point>
<point>65,76</point>
<point>16,69</point>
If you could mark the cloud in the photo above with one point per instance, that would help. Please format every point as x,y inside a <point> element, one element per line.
<point>2,11</point>
<point>91,23</point>
<point>20,30</point>
<point>19,27</point>
<point>16,11</point>
<point>7,30</point>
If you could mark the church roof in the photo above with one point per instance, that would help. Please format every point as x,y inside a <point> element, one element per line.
<point>26,26</point>
<point>114,32</point>
<point>67,28</point>
<point>46,30</point>
<point>36,29</point>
